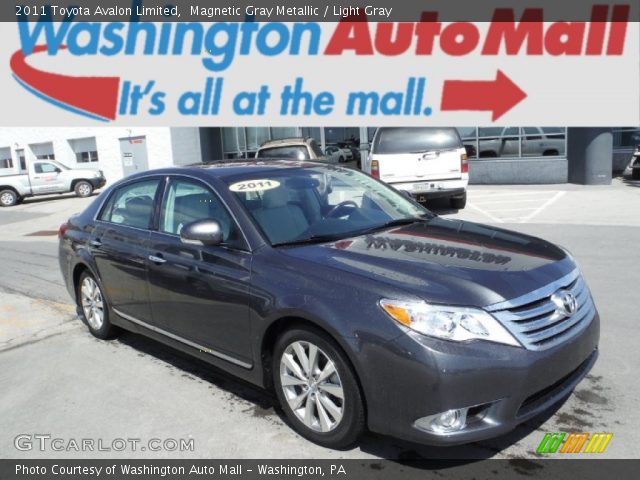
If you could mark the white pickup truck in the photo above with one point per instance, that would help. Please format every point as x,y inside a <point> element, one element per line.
<point>48,176</point>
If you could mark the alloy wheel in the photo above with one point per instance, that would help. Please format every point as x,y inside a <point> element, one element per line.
<point>92,303</point>
<point>7,198</point>
<point>312,386</point>
<point>84,190</point>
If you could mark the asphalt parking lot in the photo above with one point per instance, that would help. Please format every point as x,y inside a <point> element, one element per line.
<point>57,379</point>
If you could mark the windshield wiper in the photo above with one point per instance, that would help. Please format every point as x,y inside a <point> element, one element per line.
<point>394,223</point>
<point>397,223</point>
<point>312,239</point>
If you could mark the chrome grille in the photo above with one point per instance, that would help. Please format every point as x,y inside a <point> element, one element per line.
<point>533,319</point>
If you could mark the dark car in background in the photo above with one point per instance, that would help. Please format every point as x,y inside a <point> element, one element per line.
<point>633,168</point>
<point>355,304</point>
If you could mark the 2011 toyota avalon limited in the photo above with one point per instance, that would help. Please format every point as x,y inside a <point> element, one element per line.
<point>355,304</point>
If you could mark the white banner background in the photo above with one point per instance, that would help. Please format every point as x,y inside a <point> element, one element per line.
<point>577,91</point>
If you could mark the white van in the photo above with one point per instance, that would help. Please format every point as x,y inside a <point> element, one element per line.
<point>427,162</point>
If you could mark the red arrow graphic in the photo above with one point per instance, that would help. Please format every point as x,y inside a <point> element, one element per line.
<point>92,95</point>
<point>498,96</point>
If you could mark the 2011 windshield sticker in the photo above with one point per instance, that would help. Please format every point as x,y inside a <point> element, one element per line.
<point>254,185</point>
<point>228,49</point>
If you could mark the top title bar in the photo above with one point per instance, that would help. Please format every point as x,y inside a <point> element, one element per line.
<point>320,11</point>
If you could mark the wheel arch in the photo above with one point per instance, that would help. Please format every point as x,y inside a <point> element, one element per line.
<point>12,188</point>
<point>287,322</point>
<point>76,272</point>
<point>75,181</point>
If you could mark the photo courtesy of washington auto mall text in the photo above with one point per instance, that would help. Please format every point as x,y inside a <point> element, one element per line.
<point>359,240</point>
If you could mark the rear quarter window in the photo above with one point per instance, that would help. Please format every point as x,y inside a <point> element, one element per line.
<point>415,140</point>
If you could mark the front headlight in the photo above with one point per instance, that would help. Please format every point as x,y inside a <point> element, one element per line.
<point>458,324</point>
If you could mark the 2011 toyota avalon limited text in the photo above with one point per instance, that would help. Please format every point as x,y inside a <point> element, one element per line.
<point>356,305</point>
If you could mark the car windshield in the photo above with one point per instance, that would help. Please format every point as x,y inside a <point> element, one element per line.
<point>294,152</point>
<point>316,204</point>
<point>415,140</point>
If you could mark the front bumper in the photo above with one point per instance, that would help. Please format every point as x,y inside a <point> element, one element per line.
<point>98,182</point>
<point>413,377</point>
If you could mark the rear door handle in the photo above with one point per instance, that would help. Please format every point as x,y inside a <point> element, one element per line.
<point>156,259</point>
<point>95,243</point>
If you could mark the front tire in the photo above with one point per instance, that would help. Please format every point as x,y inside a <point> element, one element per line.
<point>93,308</point>
<point>459,202</point>
<point>635,174</point>
<point>83,189</point>
<point>317,388</point>
<point>8,198</point>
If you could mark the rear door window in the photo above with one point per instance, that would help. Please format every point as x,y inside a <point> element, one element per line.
<point>415,140</point>
<point>131,205</point>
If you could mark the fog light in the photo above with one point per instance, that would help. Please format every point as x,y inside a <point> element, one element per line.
<point>445,422</point>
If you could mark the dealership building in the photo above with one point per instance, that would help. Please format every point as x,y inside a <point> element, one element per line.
<point>498,155</point>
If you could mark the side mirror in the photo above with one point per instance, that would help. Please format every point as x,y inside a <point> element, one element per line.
<point>406,194</point>
<point>202,232</point>
<point>57,170</point>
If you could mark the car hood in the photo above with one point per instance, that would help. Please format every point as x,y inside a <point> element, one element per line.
<point>447,261</point>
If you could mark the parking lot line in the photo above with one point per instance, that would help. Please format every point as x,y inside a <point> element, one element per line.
<point>543,206</point>
<point>485,213</point>
<point>526,200</point>
<point>510,194</point>
<point>513,206</point>
<point>521,209</point>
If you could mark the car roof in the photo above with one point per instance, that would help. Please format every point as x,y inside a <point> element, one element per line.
<point>229,168</point>
<point>286,141</point>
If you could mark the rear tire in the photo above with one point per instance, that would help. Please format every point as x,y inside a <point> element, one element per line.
<point>8,198</point>
<point>459,202</point>
<point>83,189</point>
<point>93,307</point>
<point>322,403</point>
<point>635,174</point>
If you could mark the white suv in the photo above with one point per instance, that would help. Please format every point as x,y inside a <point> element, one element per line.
<point>426,162</point>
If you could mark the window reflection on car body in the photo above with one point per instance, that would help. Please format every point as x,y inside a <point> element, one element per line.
<point>341,236</point>
<point>314,239</point>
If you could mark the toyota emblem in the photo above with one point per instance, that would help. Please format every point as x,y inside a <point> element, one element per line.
<point>566,302</point>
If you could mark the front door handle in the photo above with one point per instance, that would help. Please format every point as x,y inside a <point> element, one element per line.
<point>156,259</point>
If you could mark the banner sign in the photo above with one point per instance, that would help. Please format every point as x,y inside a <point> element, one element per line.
<point>376,469</point>
<point>98,63</point>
